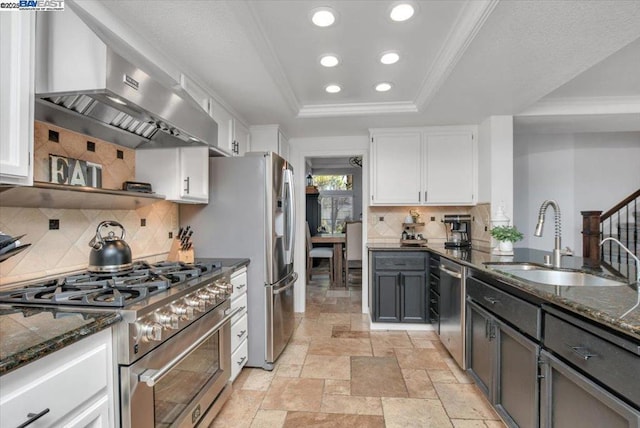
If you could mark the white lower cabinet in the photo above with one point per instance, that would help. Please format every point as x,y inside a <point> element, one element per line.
<point>239,323</point>
<point>72,387</point>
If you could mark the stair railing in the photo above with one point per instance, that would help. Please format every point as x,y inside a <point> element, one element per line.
<point>621,222</point>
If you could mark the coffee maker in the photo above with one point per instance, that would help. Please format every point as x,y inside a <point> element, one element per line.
<point>458,228</point>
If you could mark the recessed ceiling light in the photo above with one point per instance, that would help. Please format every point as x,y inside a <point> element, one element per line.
<point>402,12</point>
<point>323,16</point>
<point>383,87</point>
<point>333,89</point>
<point>389,58</point>
<point>329,60</point>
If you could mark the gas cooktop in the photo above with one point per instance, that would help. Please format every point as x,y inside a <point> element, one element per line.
<point>109,289</point>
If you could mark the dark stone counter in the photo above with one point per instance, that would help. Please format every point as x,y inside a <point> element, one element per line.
<point>604,305</point>
<point>28,332</point>
<point>31,332</point>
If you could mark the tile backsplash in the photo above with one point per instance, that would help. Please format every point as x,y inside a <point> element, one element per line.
<point>70,144</point>
<point>57,252</point>
<point>385,223</point>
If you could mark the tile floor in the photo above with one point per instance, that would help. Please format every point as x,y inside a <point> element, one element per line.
<point>337,373</point>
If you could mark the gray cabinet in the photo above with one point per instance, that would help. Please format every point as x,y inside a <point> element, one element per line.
<point>500,357</point>
<point>400,289</point>
<point>570,399</point>
<point>590,376</point>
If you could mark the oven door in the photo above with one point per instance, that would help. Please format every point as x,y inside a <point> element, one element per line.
<point>177,383</point>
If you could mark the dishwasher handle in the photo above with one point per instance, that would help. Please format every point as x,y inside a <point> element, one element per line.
<point>451,272</point>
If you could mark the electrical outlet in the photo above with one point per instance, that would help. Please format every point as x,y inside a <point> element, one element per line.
<point>143,222</point>
<point>170,235</point>
<point>54,224</point>
<point>485,228</point>
<point>381,218</point>
<point>433,219</point>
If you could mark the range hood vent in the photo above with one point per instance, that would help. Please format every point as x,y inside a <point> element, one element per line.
<point>82,84</point>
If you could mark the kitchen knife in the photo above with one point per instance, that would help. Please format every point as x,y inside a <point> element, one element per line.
<point>180,233</point>
<point>8,242</point>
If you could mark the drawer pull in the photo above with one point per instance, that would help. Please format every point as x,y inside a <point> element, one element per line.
<point>582,352</point>
<point>242,308</point>
<point>241,286</point>
<point>241,361</point>
<point>242,332</point>
<point>491,300</point>
<point>33,417</point>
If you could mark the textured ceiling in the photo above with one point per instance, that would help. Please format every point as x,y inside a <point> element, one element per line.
<point>461,61</point>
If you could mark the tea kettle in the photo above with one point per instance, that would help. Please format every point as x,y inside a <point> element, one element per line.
<point>109,253</point>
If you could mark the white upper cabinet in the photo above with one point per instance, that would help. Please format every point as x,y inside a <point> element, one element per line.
<point>269,138</point>
<point>181,174</point>
<point>17,97</point>
<point>233,136</point>
<point>396,168</point>
<point>424,166</point>
<point>240,143</point>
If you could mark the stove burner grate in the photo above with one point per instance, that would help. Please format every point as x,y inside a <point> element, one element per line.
<point>109,289</point>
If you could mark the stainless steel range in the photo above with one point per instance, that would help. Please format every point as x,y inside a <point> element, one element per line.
<point>173,348</point>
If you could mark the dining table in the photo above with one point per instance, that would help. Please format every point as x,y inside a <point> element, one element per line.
<point>338,241</point>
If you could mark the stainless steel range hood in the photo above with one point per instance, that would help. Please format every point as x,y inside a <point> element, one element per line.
<point>82,84</point>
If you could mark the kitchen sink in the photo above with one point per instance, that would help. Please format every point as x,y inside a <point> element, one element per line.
<point>546,275</point>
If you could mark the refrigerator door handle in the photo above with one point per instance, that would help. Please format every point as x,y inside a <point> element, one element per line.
<point>291,233</point>
<point>290,284</point>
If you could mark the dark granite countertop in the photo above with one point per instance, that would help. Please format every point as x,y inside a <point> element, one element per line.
<point>31,332</point>
<point>605,305</point>
<point>28,333</point>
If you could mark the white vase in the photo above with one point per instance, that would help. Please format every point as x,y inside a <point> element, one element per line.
<point>505,246</point>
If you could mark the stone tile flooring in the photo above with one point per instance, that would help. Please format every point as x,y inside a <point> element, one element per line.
<point>337,373</point>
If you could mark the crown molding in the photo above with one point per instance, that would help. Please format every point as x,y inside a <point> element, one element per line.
<point>248,16</point>
<point>356,109</point>
<point>469,22</point>
<point>584,106</point>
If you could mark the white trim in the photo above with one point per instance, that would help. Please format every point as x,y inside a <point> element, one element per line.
<point>356,109</point>
<point>584,106</point>
<point>248,16</point>
<point>300,149</point>
<point>469,22</point>
<point>396,326</point>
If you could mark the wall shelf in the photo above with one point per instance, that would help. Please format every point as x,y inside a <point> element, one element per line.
<point>50,195</point>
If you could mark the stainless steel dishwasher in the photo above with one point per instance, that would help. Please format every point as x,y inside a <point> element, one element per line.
<point>452,309</point>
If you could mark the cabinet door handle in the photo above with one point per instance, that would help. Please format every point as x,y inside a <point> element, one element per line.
<point>242,332</point>
<point>491,300</point>
<point>241,286</point>
<point>425,196</point>
<point>33,417</point>
<point>582,352</point>
<point>186,189</point>
<point>241,361</point>
<point>419,194</point>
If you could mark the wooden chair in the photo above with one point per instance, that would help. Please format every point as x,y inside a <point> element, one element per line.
<point>353,248</point>
<point>317,253</point>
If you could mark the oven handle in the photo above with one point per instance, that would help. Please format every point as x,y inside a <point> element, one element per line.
<point>151,377</point>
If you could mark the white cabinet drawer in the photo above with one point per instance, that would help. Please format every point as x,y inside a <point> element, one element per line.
<point>238,360</point>
<point>241,303</point>
<point>239,282</point>
<point>238,332</point>
<point>61,382</point>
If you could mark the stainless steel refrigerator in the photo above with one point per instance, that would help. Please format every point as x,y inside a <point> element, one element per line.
<point>251,214</point>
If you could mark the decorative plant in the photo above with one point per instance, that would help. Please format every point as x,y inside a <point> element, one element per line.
<point>506,233</point>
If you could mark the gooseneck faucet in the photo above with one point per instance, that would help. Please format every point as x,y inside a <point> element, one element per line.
<point>557,252</point>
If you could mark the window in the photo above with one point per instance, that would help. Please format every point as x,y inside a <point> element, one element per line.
<point>336,201</point>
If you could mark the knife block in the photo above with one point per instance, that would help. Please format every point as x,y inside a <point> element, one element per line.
<point>178,255</point>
